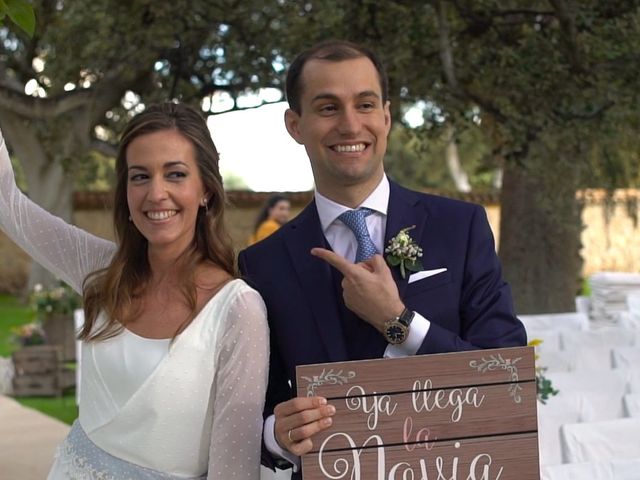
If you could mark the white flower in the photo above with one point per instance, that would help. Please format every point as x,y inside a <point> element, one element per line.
<point>404,252</point>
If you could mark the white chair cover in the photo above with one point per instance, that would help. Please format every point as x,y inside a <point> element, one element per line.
<point>626,357</point>
<point>630,321</point>
<point>633,380</point>
<point>550,339</point>
<point>608,295</point>
<point>591,359</point>
<point>556,321</point>
<point>617,382</point>
<point>605,337</point>
<point>597,441</point>
<point>632,405</point>
<point>554,361</point>
<point>633,302</point>
<point>572,406</point>
<point>610,470</point>
<point>626,469</point>
<point>578,471</point>
<point>583,304</point>
<point>550,417</point>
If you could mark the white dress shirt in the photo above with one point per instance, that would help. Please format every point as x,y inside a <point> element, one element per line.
<point>344,243</point>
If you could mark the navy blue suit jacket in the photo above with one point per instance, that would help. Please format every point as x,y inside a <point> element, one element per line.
<point>469,306</point>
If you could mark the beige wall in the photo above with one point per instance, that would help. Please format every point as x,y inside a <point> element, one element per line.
<point>609,242</point>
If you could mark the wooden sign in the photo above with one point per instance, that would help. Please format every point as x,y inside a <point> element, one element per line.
<point>452,416</point>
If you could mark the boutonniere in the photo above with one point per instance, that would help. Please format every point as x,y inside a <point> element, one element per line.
<point>403,251</point>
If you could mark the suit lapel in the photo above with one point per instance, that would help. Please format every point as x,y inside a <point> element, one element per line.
<point>315,278</point>
<point>404,211</point>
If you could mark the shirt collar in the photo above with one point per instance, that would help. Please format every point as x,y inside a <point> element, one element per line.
<point>329,211</point>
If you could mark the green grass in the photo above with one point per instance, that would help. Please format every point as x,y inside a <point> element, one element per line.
<point>63,408</point>
<point>14,314</point>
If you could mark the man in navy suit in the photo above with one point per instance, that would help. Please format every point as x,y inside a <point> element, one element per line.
<point>329,292</point>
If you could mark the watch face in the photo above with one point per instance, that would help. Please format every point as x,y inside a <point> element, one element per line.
<point>396,333</point>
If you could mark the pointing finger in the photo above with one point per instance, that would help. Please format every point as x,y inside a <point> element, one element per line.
<point>332,258</point>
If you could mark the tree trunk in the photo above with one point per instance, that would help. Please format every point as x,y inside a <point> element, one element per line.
<point>459,176</point>
<point>43,151</point>
<point>540,232</point>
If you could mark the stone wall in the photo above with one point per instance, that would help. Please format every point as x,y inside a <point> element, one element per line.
<point>611,239</point>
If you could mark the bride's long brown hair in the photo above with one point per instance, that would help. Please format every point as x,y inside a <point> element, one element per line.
<point>112,290</point>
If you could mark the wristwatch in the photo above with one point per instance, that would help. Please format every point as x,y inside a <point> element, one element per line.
<point>396,330</point>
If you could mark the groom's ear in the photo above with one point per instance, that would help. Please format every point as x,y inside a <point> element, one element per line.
<point>292,122</point>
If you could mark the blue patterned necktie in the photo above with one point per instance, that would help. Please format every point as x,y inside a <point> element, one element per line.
<point>356,221</point>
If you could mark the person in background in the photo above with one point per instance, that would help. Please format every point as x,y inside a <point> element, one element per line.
<point>175,346</point>
<point>272,216</point>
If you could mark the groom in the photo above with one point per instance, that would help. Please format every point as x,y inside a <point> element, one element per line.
<point>329,292</point>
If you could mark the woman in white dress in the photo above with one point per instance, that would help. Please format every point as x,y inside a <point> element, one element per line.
<point>175,347</point>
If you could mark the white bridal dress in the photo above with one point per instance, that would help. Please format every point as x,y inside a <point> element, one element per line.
<point>153,409</point>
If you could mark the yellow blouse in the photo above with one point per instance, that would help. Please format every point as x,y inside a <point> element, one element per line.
<point>265,229</point>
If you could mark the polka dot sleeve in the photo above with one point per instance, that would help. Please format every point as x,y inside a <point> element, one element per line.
<point>239,390</point>
<point>66,251</point>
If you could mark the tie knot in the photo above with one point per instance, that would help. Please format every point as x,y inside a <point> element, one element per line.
<point>355,218</point>
<point>356,221</point>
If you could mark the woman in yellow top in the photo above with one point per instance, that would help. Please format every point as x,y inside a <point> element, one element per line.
<point>273,215</point>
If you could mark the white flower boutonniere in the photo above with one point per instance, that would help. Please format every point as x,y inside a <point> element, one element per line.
<point>403,251</point>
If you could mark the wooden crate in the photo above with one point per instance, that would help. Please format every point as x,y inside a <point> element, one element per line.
<point>60,330</point>
<point>37,359</point>
<point>37,371</point>
<point>36,384</point>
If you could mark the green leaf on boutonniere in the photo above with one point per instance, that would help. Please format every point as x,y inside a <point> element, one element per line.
<point>393,260</point>
<point>404,252</point>
<point>414,266</point>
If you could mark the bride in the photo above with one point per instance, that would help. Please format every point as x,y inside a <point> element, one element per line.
<point>175,347</point>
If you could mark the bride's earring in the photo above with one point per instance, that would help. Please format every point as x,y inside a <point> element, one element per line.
<point>205,205</point>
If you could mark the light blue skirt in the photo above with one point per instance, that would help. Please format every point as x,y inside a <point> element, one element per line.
<point>78,458</point>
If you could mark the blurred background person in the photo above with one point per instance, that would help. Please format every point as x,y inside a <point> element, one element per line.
<point>273,215</point>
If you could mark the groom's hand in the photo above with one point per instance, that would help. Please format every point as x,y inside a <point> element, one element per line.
<point>368,287</point>
<point>298,419</point>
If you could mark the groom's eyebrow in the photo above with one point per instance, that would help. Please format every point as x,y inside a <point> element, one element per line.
<point>333,96</point>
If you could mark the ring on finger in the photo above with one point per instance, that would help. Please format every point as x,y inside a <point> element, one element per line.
<point>289,435</point>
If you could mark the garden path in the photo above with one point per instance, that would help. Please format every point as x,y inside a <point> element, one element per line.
<point>28,440</point>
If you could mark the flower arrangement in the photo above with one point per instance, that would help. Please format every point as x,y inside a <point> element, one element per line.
<point>544,388</point>
<point>29,334</point>
<point>404,252</point>
<point>61,299</point>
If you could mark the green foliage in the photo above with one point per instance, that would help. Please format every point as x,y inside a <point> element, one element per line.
<point>95,172</point>
<point>416,157</point>
<point>59,300</point>
<point>525,70</point>
<point>544,387</point>
<point>12,315</point>
<point>21,13</point>
<point>234,182</point>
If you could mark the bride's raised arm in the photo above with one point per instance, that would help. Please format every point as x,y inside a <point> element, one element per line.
<point>66,251</point>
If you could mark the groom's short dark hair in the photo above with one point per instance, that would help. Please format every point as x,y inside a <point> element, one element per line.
<point>333,51</point>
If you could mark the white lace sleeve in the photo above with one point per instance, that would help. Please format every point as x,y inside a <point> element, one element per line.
<point>239,391</point>
<point>66,251</point>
